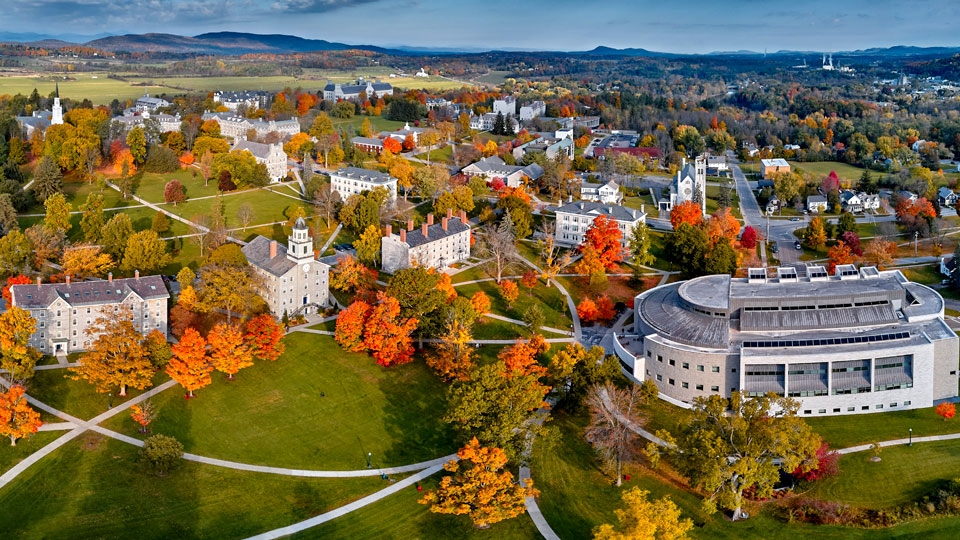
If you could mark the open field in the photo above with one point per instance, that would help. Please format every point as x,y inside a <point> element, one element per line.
<point>317,407</point>
<point>849,175</point>
<point>93,86</point>
<point>852,430</point>
<point>93,487</point>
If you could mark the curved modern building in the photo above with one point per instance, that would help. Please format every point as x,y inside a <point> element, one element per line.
<point>859,341</point>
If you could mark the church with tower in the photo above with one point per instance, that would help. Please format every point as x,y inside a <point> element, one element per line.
<point>56,117</point>
<point>690,184</point>
<point>292,280</point>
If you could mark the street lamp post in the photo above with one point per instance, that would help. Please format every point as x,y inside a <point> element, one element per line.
<point>916,236</point>
<point>911,438</point>
<point>369,455</point>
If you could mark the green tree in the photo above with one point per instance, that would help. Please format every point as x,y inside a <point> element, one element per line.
<point>116,234</point>
<point>92,221</point>
<point>456,199</point>
<point>146,252</point>
<point>57,217</point>
<point>137,141</point>
<point>47,180</point>
<point>534,318</point>
<point>687,248</point>
<point>8,215</point>
<point>368,245</point>
<point>15,253</point>
<point>161,223</point>
<point>415,288</point>
<point>725,451</point>
<point>847,222</point>
<point>866,183</point>
<point>787,186</point>
<point>520,214</point>
<point>640,242</point>
<point>722,259</point>
<point>161,454</point>
<point>496,409</point>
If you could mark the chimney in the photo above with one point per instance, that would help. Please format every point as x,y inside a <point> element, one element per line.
<point>449,213</point>
<point>463,217</point>
<point>443,222</point>
<point>429,219</point>
<point>136,274</point>
<point>410,225</point>
<point>273,248</point>
<point>403,235</point>
<point>68,279</point>
<point>388,231</point>
<point>109,278</point>
<point>424,228</point>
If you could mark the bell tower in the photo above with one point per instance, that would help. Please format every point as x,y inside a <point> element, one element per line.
<point>300,245</point>
<point>57,117</point>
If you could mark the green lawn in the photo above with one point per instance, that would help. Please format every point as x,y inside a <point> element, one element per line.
<point>99,90</point>
<point>853,430</point>
<point>400,517</point>
<point>928,275</point>
<point>93,488</point>
<point>317,407</point>
<point>77,398</point>
<point>152,185</point>
<point>441,155</point>
<point>849,175</point>
<point>267,206</point>
<point>905,473</point>
<point>11,455</point>
<point>549,299</point>
<point>471,274</point>
<point>713,194</point>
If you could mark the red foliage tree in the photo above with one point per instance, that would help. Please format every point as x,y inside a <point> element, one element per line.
<point>839,254</point>
<point>264,336</point>
<point>946,410</point>
<point>11,281</point>
<point>605,311</point>
<point>173,192</point>
<point>830,183</point>
<point>852,240</point>
<point>828,464</point>
<point>749,238</point>
<point>529,280</point>
<point>688,212</point>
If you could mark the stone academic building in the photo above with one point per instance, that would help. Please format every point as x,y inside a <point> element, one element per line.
<point>859,341</point>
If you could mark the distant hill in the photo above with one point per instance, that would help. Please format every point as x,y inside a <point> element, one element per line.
<point>225,43</point>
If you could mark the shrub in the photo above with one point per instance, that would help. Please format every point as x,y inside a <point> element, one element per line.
<point>161,454</point>
<point>161,159</point>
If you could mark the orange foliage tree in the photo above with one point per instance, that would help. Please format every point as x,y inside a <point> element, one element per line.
<point>529,280</point>
<point>921,207</point>
<point>124,158</point>
<point>264,337</point>
<point>478,488</point>
<point>521,358</point>
<point>189,365</point>
<point>387,338</point>
<point>143,414</point>
<point>350,325</point>
<point>17,419</point>
<point>117,356</point>
<point>947,410</point>
<point>604,237</point>
<point>480,303</point>
<point>722,224</point>
<point>605,311</point>
<point>446,286</point>
<point>839,254</point>
<point>228,351</point>
<point>587,310</point>
<point>351,275</point>
<point>509,291</point>
<point>392,145</point>
<point>687,212</point>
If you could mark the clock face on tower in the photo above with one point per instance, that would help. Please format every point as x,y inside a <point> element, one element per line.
<point>306,269</point>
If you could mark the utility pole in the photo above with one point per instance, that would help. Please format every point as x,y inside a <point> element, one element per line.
<point>916,236</point>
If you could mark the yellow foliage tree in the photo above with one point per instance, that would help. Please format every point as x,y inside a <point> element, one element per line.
<point>16,356</point>
<point>85,260</point>
<point>642,519</point>
<point>117,357</point>
<point>479,489</point>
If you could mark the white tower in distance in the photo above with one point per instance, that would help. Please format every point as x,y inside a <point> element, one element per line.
<point>57,117</point>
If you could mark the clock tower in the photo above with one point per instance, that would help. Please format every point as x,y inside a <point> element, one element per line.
<point>300,245</point>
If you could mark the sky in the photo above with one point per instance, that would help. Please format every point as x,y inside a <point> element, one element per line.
<point>684,26</point>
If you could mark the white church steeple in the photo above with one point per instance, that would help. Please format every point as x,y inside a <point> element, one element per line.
<point>57,117</point>
<point>300,245</point>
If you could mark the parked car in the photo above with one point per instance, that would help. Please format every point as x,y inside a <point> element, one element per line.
<point>797,245</point>
<point>794,219</point>
<point>774,248</point>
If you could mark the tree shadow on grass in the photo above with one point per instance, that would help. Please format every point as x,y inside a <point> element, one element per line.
<point>413,420</point>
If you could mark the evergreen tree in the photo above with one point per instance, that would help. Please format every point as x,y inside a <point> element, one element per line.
<point>47,180</point>
<point>498,125</point>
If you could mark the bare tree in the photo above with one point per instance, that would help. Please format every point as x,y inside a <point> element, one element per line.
<point>325,200</point>
<point>245,214</point>
<point>612,414</point>
<point>199,226</point>
<point>499,244</point>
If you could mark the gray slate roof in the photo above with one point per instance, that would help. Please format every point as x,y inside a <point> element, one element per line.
<point>87,293</point>
<point>366,175</point>
<point>258,254</point>
<point>435,232</point>
<point>259,150</point>
<point>594,209</point>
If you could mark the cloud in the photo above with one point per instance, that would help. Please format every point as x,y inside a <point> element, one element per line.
<point>316,6</point>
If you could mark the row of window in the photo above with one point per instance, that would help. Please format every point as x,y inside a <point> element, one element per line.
<point>851,408</point>
<point>684,384</point>
<point>686,365</point>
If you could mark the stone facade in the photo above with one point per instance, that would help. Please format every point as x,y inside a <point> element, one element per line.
<point>575,218</point>
<point>349,181</point>
<point>292,281</point>
<point>237,127</point>
<point>434,245</point>
<point>65,311</point>
<point>271,155</point>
